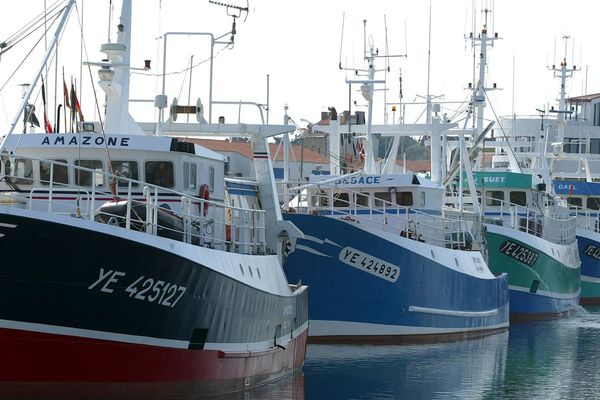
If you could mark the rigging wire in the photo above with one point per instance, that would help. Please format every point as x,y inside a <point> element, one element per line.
<point>29,53</point>
<point>30,27</point>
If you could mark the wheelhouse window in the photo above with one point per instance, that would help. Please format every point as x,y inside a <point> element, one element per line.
<point>575,201</point>
<point>60,173</point>
<point>126,169</point>
<point>211,179</point>
<point>160,173</point>
<point>518,197</point>
<point>593,203</point>
<point>189,176</point>
<point>341,199</point>
<point>404,198</point>
<point>494,197</point>
<point>84,177</point>
<point>362,199</point>
<point>381,197</point>
<point>20,171</point>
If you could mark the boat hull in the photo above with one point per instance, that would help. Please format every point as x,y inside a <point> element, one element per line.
<point>543,277</point>
<point>75,312</point>
<point>428,301</point>
<point>588,243</point>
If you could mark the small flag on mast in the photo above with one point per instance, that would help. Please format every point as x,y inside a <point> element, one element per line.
<point>47,124</point>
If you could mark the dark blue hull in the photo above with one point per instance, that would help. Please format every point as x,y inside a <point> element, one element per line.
<point>110,296</point>
<point>426,298</point>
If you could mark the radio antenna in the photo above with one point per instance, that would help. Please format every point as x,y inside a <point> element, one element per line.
<point>342,40</point>
<point>233,11</point>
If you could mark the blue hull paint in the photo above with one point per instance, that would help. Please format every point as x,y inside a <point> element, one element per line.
<point>590,266</point>
<point>339,292</point>
<point>526,305</point>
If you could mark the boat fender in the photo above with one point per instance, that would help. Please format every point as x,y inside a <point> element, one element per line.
<point>204,194</point>
<point>228,219</point>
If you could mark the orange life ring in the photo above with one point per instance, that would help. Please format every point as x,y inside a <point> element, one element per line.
<point>204,194</point>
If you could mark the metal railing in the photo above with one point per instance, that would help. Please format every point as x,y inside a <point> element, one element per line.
<point>428,226</point>
<point>552,222</point>
<point>587,219</point>
<point>140,206</point>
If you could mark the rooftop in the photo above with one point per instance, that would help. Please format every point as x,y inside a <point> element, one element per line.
<point>245,149</point>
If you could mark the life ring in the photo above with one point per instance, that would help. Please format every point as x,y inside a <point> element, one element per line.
<point>204,194</point>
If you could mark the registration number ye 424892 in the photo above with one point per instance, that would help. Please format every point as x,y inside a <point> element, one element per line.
<point>367,263</point>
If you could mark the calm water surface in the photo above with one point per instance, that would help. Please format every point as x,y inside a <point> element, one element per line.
<point>543,360</point>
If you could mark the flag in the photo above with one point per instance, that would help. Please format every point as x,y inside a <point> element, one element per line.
<point>75,107</point>
<point>47,124</point>
<point>30,116</point>
<point>361,151</point>
<point>66,94</point>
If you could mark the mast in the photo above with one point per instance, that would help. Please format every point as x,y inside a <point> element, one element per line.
<point>563,73</point>
<point>483,41</point>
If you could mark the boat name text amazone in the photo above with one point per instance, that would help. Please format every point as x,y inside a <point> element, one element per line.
<point>86,140</point>
<point>519,252</point>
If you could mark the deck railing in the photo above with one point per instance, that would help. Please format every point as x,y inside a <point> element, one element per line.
<point>428,226</point>
<point>552,222</point>
<point>145,207</point>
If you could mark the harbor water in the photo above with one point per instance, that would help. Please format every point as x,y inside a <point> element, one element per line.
<point>556,359</point>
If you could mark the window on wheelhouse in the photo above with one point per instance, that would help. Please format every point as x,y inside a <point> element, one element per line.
<point>159,173</point>
<point>575,201</point>
<point>494,197</point>
<point>211,179</point>
<point>518,197</point>
<point>593,203</point>
<point>381,197</point>
<point>362,199</point>
<point>189,176</point>
<point>341,199</point>
<point>84,178</point>
<point>20,171</point>
<point>60,173</point>
<point>126,169</point>
<point>404,198</point>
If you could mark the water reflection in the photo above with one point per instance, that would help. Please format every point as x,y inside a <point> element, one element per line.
<point>541,360</point>
<point>467,369</point>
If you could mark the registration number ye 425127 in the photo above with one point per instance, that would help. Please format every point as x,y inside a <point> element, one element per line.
<point>367,263</point>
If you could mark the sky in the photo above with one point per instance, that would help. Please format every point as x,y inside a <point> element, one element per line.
<point>300,44</point>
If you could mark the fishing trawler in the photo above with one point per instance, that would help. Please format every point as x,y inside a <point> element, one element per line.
<point>383,261</point>
<point>124,267</point>
<point>529,232</point>
<point>563,141</point>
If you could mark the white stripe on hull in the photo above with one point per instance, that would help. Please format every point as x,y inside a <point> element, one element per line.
<point>92,334</point>
<point>453,313</point>
<point>342,328</point>
<point>145,340</point>
<point>590,279</point>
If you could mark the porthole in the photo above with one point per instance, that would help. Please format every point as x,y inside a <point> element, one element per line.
<point>242,269</point>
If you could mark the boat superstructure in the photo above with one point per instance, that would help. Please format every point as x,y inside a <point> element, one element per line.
<point>530,234</point>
